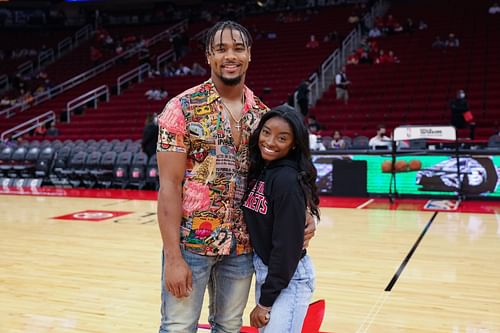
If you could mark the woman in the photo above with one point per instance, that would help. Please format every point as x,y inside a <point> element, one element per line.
<point>337,141</point>
<point>281,188</point>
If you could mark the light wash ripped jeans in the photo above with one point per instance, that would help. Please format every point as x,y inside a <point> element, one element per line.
<point>290,308</point>
<point>228,279</point>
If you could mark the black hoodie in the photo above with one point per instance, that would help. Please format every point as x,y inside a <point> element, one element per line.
<point>275,212</point>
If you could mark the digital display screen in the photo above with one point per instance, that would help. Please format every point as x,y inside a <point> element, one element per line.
<point>422,174</point>
<point>324,169</point>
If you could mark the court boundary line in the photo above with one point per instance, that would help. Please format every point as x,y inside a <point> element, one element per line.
<point>372,314</point>
<point>364,204</point>
<point>410,254</point>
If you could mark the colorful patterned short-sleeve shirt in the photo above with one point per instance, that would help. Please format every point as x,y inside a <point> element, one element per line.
<point>194,123</point>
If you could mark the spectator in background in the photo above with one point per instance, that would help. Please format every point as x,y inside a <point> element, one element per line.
<point>380,140</point>
<point>6,101</point>
<point>353,59</point>
<point>156,94</point>
<point>312,43</point>
<point>337,141</point>
<point>452,41</point>
<point>391,58</point>
<point>198,70</point>
<point>374,32</point>
<point>494,9</point>
<point>381,58</point>
<point>342,85</point>
<point>118,48</point>
<point>364,58</point>
<point>109,42</point>
<point>303,97</point>
<point>331,37</point>
<point>150,135</point>
<point>422,25</point>
<point>386,58</point>
<point>313,125</point>
<point>40,130</point>
<point>353,18</point>
<point>438,43</point>
<point>409,26</point>
<point>315,142</point>
<point>182,70</point>
<point>461,116</point>
<point>271,35</point>
<point>168,70</point>
<point>390,24</point>
<point>95,55</point>
<point>52,130</point>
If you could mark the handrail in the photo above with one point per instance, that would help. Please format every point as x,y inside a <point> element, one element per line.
<point>45,57</point>
<point>314,88</point>
<point>320,82</point>
<point>170,32</point>
<point>169,54</point>
<point>164,57</point>
<point>347,44</point>
<point>60,88</point>
<point>83,33</point>
<point>4,82</point>
<point>200,35</point>
<point>29,125</point>
<point>21,106</point>
<point>332,64</point>
<point>328,69</point>
<point>90,96</point>
<point>137,72</point>
<point>25,67</point>
<point>64,46</point>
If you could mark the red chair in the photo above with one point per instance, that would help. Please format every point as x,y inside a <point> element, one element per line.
<point>312,322</point>
<point>314,317</point>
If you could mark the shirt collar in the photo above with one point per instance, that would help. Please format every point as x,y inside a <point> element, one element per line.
<point>249,95</point>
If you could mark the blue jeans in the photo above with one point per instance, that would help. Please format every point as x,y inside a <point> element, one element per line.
<point>290,308</point>
<point>228,279</point>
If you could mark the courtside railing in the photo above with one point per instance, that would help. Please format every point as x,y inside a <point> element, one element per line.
<point>321,81</point>
<point>28,126</point>
<point>138,74</point>
<point>169,54</point>
<point>4,82</point>
<point>21,106</point>
<point>91,96</point>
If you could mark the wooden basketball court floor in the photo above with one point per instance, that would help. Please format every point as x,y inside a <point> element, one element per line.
<point>379,270</point>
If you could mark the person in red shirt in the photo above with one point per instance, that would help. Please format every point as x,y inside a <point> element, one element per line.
<point>312,43</point>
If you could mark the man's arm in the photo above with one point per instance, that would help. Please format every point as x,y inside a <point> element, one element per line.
<point>172,166</point>
<point>310,229</point>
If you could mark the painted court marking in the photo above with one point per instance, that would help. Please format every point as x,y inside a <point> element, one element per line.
<point>91,215</point>
<point>366,203</point>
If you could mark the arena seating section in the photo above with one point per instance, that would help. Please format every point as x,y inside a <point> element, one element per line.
<point>418,90</point>
<point>75,63</point>
<point>29,39</point>
<point>101,147</point>
<point>78,163</point>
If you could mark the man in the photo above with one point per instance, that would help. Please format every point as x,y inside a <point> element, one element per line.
<point>150,135</point>
<point>380,140</point>
<point>461,116</point>
<point>203,161</point>
<point>303,97</point>
<point>342,85</point>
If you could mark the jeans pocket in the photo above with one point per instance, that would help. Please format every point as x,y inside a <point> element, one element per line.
<point>260,270</point>
<point>305,272</point>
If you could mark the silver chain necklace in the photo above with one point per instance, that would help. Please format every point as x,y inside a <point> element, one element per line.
<point>237,122</point>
